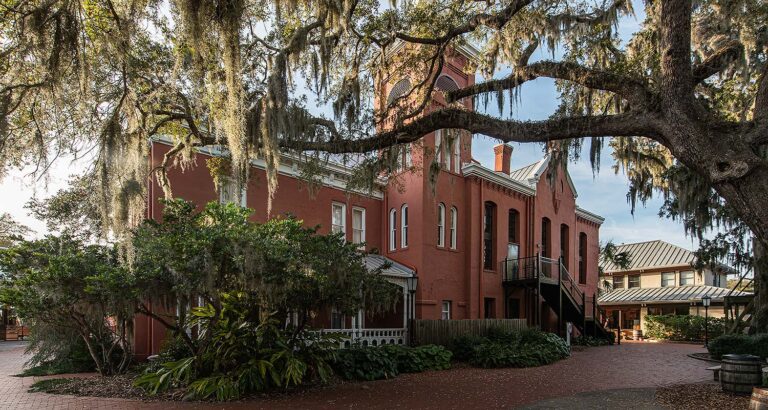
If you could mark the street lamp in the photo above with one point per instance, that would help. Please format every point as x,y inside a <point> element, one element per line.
<point>411,282</point>
<point>706,301</point>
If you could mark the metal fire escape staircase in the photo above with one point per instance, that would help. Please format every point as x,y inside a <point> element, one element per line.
<point>547,280</point>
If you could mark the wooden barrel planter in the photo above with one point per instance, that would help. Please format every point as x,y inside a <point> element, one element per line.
<point>759,399</point>
<point>740,373</point>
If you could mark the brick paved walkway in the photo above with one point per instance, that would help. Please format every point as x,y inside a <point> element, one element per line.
<point>631,365</point>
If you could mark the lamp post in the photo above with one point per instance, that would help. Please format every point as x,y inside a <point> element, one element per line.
<point>411,282</point>
<point>706,301</point>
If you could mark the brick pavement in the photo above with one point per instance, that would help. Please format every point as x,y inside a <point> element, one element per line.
<point>631,365</point>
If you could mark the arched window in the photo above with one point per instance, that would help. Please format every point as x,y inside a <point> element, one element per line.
<point>404,226</point>
<point>454,225</point>
<point>582,258</point>
<point>441,225</point>
<point>392,229</point>
<point>445,83</point>
<point>513,228</point>
<point>546,235</point>
<point>398,90</point>
<point>565,245</point>
<point>489,245</point>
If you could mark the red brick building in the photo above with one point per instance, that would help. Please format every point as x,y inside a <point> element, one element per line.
<point>484,243</point>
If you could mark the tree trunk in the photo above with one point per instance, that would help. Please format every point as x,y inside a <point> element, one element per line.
<point>759,322</point>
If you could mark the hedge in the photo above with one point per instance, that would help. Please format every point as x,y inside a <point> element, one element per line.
<point>682,327</point>
<point>739,344</point>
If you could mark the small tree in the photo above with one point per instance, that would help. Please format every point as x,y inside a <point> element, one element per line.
<point>193,257</point>
<point>62,286</point>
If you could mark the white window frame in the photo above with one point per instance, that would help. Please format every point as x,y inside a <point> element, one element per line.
<point>342,228</point>
<point>361,229</point>
<point>226,187</point>
<point>613,282</point>
<point>639,281</point>
<point>408,157</point>
<point>441,225</point>
<point>404,226</point>
<point>457,154</point>
<point>439,147</point>
<point>673,282</point>
<point>392,229</point>
<point>445,312</point>
<point>693,278</point>
<point>454,225</point>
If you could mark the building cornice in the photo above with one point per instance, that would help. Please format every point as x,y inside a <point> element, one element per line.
<point>476,170</point>
<point>589,216</point>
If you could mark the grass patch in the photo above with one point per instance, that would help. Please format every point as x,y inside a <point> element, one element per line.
<point>48,386</point>
<point>56,367</point>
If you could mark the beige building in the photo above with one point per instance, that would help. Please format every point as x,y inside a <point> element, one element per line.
<point>660,279</point>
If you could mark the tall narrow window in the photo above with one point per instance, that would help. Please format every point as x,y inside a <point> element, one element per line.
<point>546,235</point>
<point>582,258</point>
<point>565,245</point>
<point>441,225</point>
<point>229,194</point>
<point>447,144</point>
<point>404,226</point>
<point>408,159</point>
<point>358,225</point>
<point>392,229</point>
<point>339,218</point>
<point>513,233</point>
<point>454,225</point>
<point>457,154</point>
<point>488,229</point>
<point>439,147</point>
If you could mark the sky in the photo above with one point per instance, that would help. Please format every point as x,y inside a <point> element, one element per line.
<point>603,193</point>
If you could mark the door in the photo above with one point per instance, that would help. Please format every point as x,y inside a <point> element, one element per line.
<point>513,308</point>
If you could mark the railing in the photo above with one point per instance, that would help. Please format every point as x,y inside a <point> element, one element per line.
<point>370,337</point>
<point>519,269</point>
<point>570,285</point>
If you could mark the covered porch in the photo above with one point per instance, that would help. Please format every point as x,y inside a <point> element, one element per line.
<point>375,329</point>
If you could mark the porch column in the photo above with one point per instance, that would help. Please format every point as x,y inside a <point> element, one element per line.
<point>643,314</point>
<point>406,306</point>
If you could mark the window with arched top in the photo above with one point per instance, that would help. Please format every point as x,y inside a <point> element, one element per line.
<point>440,225</point>
<point>445,83</point>
<point>583,258</point>
<point>392,229</point>
<point>454,225</point>
<point>398,90</point>
<point>565,245</point>
<point>489,232</point>
<point>546,237</point>
<point>404,226</point>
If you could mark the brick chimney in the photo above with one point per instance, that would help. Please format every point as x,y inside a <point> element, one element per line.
<point>503,157</point>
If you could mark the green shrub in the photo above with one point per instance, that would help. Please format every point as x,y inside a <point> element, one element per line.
<point>463,347</point>
<point>682,327</point>
<point>502,348</point>
<point>419,359</point>
<point>364,363</point>
<point>589,341</point>
<point>242,356</point>
<point>739,344</point>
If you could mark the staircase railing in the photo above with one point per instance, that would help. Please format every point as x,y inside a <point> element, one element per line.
<point>520,269</point>
<point>570,286</point>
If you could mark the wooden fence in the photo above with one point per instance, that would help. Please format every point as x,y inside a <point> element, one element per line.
<point>442,332</point>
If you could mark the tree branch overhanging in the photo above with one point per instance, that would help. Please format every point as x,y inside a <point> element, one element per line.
<point>627,124</point>
<point>631,89</point>
<point>717,62</point>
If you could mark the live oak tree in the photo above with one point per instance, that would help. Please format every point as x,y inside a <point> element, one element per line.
<point>107,75</point>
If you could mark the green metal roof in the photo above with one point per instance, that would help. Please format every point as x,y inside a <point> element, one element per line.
<point>669,294</point>
<point>650,255</point>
